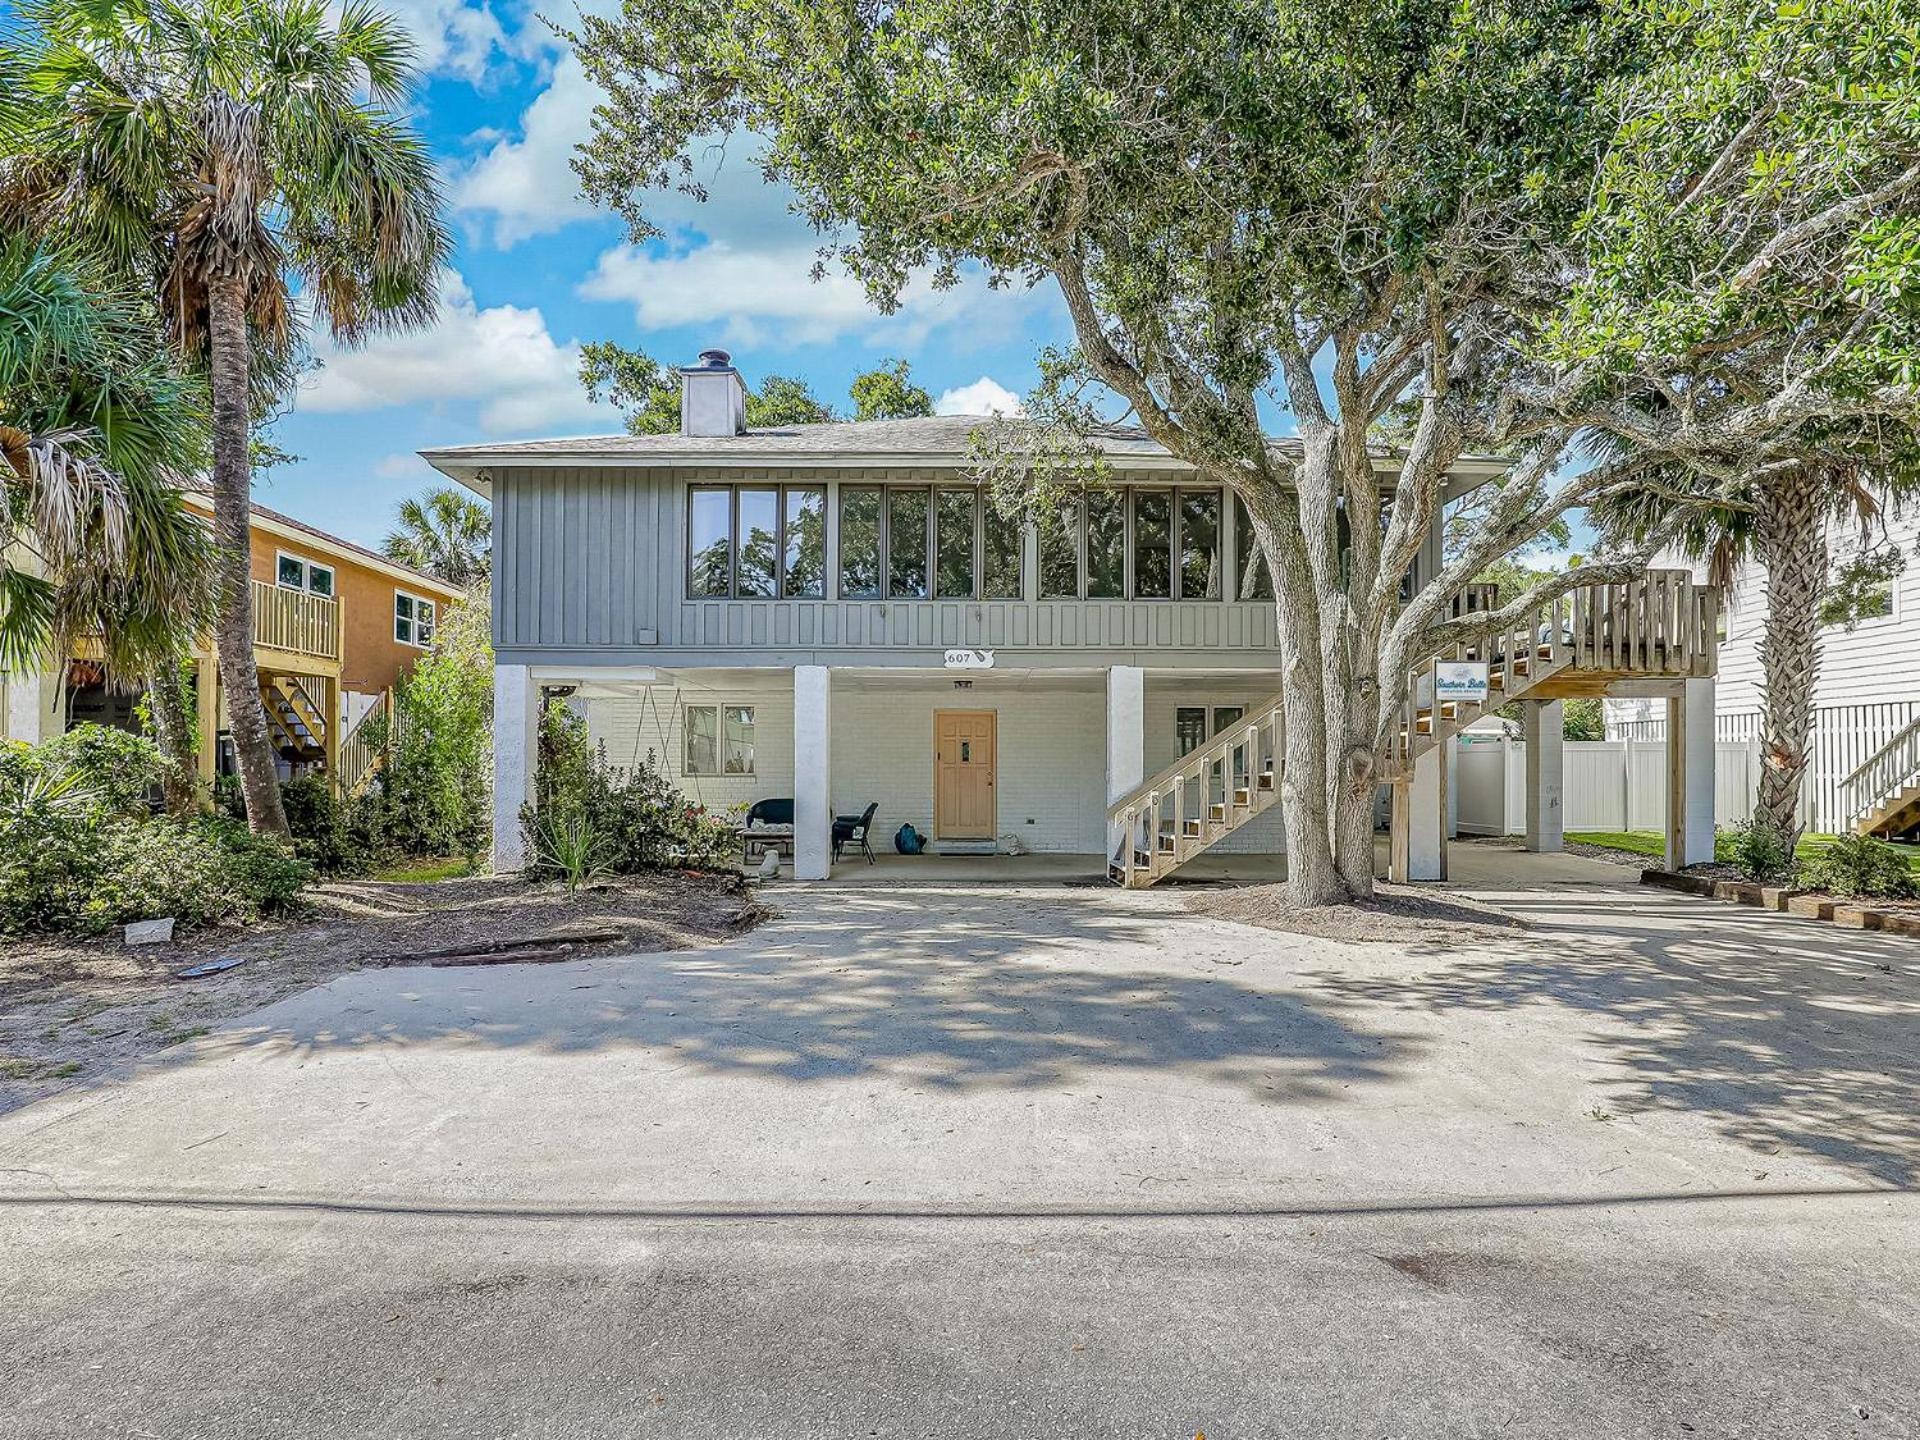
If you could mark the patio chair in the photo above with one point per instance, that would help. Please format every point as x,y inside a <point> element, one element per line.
<point>855,830</point>
<point>769,825</point>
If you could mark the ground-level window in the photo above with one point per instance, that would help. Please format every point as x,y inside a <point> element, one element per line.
<point>412,619</point>
<point>719,740</point>
<point>756,541</point>
<point>295,572</point>
<point>1194,725</point>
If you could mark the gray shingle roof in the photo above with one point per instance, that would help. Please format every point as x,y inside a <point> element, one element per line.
<point>934,440</point>
<point>933,436</point>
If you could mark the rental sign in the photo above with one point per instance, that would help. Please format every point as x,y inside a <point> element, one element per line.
<point>1464,681</point>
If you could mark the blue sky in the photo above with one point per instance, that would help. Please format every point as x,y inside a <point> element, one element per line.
<point>537,271</point>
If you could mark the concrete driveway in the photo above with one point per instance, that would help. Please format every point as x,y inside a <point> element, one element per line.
<point>932,1161</point>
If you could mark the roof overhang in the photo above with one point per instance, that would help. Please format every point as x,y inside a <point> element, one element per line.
<point>474,467</point>
<point>353,555</point>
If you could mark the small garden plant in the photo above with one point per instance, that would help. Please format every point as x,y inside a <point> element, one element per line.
<point>1859,866</point>
<point>590,817</point>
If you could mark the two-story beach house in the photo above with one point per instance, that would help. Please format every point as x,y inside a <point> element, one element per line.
<point>334,626</point>
<point>834,616</point>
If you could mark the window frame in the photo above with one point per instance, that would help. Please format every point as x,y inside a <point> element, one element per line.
<point>307,567</point>
<point>719,710</point>
<point>432,622</point>
<point>732,489</point>
<point>933,490</point>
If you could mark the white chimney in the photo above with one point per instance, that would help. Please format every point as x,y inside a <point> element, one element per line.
<point>713,399</point>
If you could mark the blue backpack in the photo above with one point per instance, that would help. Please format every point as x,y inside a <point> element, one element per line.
<point>909,841</point>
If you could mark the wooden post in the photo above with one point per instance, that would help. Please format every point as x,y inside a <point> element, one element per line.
<point>206,687</point>
<point>331,741</point>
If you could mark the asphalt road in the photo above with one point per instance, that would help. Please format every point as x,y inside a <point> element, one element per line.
<point>948,1164</point>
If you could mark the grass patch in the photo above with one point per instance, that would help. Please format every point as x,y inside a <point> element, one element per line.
<point>427,870</point>
<point>1651,844</point>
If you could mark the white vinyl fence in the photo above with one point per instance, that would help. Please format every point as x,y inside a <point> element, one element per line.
<point>1844,737</point>
<point>1605,784</point>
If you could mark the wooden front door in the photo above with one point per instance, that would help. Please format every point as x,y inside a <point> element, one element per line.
<point>965,750</point>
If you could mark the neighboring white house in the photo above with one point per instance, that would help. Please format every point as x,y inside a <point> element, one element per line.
<point>1867,694</point>
<point>833,614</point>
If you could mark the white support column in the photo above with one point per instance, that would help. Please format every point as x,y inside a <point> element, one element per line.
<point>812,772</point>
<point>33,705</point>
<point>1543,722</point>
<point>516,753</point>
<point>1420,803</point>
<point>1690,761</point>
<point>1126,736</point>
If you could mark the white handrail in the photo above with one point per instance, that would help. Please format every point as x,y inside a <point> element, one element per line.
<point>1891,767</point>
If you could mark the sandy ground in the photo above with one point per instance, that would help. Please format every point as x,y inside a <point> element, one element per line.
<point>975,1163</point>
<point>71,1012</point>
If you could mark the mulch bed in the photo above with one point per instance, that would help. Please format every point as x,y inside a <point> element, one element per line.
<point>72,1009</point>
<point>1397,915</point>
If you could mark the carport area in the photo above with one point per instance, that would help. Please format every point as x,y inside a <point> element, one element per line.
<point>964,1160</point>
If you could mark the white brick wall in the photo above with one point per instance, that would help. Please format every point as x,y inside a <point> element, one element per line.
<point>1051,785</point>
<point>657,722</point>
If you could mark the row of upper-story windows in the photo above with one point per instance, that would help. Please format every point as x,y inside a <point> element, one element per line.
<point>413,615</point>
<point>919,542</point>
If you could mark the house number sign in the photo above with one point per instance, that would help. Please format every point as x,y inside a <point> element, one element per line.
<point>969,659</point>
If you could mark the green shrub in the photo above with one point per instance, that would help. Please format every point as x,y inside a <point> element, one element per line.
<point>71,862</point>
<point>208,870</point>
<point>1760,851</point>
<point>1859,865</point>
<point>633,813</point>
<point>118,771</point>
<point>324,834</point>
<point>432,795</point>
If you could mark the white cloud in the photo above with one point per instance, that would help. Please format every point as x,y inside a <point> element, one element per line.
<point>452,38</point>
<point>749,297</point>
<point>524,182</point>
<point>985,396</point>
<point>501,358</point>
<point>526,185</point>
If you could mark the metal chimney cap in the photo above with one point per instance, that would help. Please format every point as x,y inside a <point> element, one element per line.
<point>715,360</point>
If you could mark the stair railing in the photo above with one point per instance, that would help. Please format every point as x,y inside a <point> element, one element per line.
<point>364,747</point>
<point>1890,768</point>
<point>1164,821</point>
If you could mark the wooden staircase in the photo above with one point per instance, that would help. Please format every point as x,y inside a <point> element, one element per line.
<point>1882,796</point>
<point>298,722</point>
<point>364,747</point>
<point>1658,626</point>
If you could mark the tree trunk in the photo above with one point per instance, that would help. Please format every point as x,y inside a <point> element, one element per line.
<point>232,529</point>
<point>1792,536</point>
<point>1329,845</point>
<point>173,731</point>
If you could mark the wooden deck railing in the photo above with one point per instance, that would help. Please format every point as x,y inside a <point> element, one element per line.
<point>364,747</point>
<point>1657,625</point>
<point>296,621</point>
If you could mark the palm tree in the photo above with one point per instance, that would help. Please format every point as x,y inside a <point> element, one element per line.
<point>443,533</point>
<point>222,150</point>
<point>96,427</point>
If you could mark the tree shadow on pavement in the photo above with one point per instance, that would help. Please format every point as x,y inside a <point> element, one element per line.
<point>940,987</point>
<point>1784,1034</point>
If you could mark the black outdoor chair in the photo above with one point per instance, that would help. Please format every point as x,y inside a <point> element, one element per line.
<point>758,832</point>
<point>855,830</point>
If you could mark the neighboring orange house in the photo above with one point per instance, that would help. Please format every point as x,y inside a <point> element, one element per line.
<point>334,625</point>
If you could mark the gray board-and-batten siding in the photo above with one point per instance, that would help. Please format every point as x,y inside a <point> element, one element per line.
<point>590,569</point>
